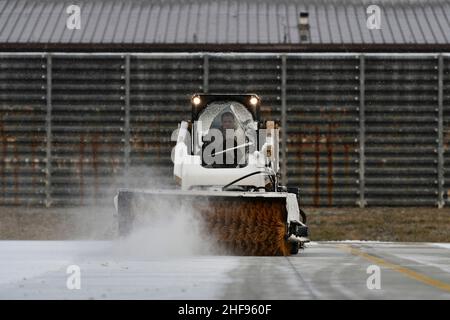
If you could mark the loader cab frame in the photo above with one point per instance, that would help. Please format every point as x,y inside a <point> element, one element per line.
<point>249,104</point>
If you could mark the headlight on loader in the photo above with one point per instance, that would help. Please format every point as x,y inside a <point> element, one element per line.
<point>196,100</point>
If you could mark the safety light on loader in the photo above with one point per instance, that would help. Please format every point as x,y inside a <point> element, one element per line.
<point>254,101</point>
<point>196,100</point>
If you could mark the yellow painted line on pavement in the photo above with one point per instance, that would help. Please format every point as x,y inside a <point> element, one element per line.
<point>403,270</point>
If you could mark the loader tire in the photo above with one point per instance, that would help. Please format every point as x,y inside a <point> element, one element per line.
<point>295,246</point>
<point>125,215</point>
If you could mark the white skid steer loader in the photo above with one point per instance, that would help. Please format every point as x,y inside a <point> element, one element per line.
<point>226,163</point>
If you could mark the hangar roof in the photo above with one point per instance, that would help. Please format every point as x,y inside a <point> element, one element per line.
<point>232,23</point>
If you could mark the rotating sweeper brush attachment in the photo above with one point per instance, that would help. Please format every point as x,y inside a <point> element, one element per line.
<point>253,223</point>
<point>226,165</point>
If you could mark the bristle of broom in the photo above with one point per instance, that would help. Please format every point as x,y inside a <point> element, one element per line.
<point>256,228</point>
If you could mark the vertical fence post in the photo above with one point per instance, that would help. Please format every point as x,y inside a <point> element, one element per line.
<point>48,126</point>
<point>283,122</point>
<point>362,131</point>
<point>441,201</point>
<point>127,119</point>
<point>205,73</point>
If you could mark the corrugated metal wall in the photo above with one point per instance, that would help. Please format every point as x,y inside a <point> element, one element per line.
<point>257,74</point>
<point>87,126</point>
<point>445,97</point>
<point>23,110</point>
<point>359,129</point>
<point>322,100</point>
<point>160,91</point>
<point>401,130</point>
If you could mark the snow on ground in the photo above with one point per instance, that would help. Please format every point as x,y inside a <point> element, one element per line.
<point>25,259</point>
<point>38,269</point>
<point>441,245</point>
<point>111,270</point>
